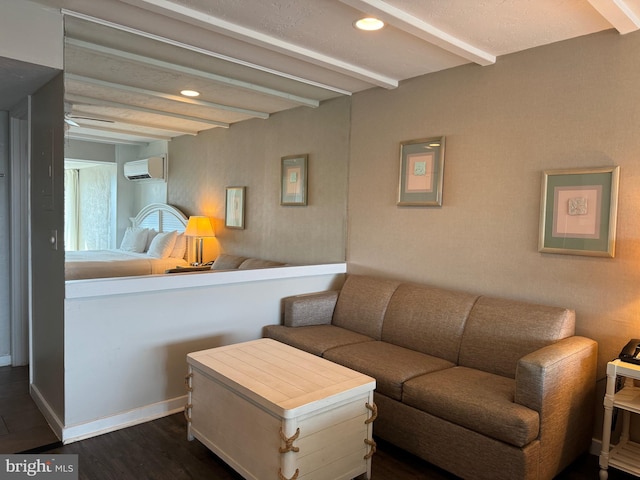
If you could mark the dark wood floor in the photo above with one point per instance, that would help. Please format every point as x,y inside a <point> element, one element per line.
<point>159,449</point>
<point>22,426</point>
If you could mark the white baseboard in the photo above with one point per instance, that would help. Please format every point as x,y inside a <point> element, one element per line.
<point>50,416</point>
<point>5,360</point>
<point>74,433</point>
<point>144,414</point>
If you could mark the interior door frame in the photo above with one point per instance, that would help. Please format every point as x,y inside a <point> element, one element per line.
<point>19,232</point>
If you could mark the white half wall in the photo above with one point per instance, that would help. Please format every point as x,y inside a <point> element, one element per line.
<point>126,340</point>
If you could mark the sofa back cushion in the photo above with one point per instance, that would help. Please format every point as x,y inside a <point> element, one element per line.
<point>251,263</point>
<point>362,303</point>
<point>226,261</point>
<point>427,319</point>
<point>499,332</point>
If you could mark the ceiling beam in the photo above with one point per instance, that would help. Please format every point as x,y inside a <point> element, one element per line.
<point>82,99</point>
<point>203,51</point>
<point>165,96</point>
<point>422,30</point>
<point>100,128</point>
<point>104,138</point>
<point>79,116</point>
<point>618,14</point>
<point>219,25</point>
<point>181,69</point>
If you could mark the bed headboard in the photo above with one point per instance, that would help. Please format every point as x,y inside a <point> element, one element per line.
<point>161,217</point>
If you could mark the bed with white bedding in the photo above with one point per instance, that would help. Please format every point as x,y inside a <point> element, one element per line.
<point>115,263</point>
<point>154,243</point>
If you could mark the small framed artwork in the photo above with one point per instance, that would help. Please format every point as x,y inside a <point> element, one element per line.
<point>421,172</point>
<point>293,184</point>
<point>578,211</point>
<point>234,207</point>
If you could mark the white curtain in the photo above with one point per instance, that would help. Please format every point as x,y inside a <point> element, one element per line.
<point>95,190</point>
<point>71,217</point>
<point>88,195</point>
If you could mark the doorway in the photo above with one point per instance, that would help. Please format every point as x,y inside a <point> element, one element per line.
<point>19,232</point>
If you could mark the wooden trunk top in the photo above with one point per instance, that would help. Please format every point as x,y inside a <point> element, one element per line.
<point>282,379</point>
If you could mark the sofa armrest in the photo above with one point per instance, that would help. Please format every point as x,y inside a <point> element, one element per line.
<point>558,381</point>
<point>309,309</point>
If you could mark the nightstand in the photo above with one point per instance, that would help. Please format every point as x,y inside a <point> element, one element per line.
<point>201,268</point>
<point>625,455</point>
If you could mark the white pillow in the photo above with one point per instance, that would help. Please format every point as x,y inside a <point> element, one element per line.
<point>180,248</point>
<point>162,245</point>
<point>151,234</point>
<point>134,240</point>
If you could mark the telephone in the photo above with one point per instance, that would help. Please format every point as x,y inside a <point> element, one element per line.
<point>631,352</point>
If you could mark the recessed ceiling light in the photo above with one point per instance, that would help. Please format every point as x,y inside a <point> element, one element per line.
<point>190,93</point>
<point>369,24</point>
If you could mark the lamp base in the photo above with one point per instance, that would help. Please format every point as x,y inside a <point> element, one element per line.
<point>199,246</point>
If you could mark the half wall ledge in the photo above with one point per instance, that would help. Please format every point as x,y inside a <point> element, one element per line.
<point>100,287</point>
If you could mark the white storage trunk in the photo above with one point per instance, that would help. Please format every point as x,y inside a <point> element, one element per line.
<point>275,412</point>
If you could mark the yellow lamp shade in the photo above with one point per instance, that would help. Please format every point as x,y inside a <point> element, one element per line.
<point>199,226</point>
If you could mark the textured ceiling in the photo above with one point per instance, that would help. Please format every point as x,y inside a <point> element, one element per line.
<point>126,61</point>
<point>19,79</point>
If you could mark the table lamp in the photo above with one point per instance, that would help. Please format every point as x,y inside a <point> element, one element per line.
<point>199,227</point>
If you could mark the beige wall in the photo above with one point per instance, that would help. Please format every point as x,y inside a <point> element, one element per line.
<point>248,154</point>
<point>569,105</point>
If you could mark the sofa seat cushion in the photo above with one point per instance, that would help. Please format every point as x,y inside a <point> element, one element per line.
<point>315,339</point>
<point>389,364</point>
<point>480,401</point>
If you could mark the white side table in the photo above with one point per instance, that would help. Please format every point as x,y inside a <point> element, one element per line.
<point>625,455</point>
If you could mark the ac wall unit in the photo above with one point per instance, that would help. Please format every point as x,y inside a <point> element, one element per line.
<point>147,169</point>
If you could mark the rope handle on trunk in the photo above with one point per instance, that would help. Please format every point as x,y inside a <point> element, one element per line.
<point>374,412</point>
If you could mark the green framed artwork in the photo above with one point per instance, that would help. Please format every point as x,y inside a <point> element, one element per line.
<point>421,172</point>
<point>293,182</point>
<point>578,211</point>
<point>234,207</point>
